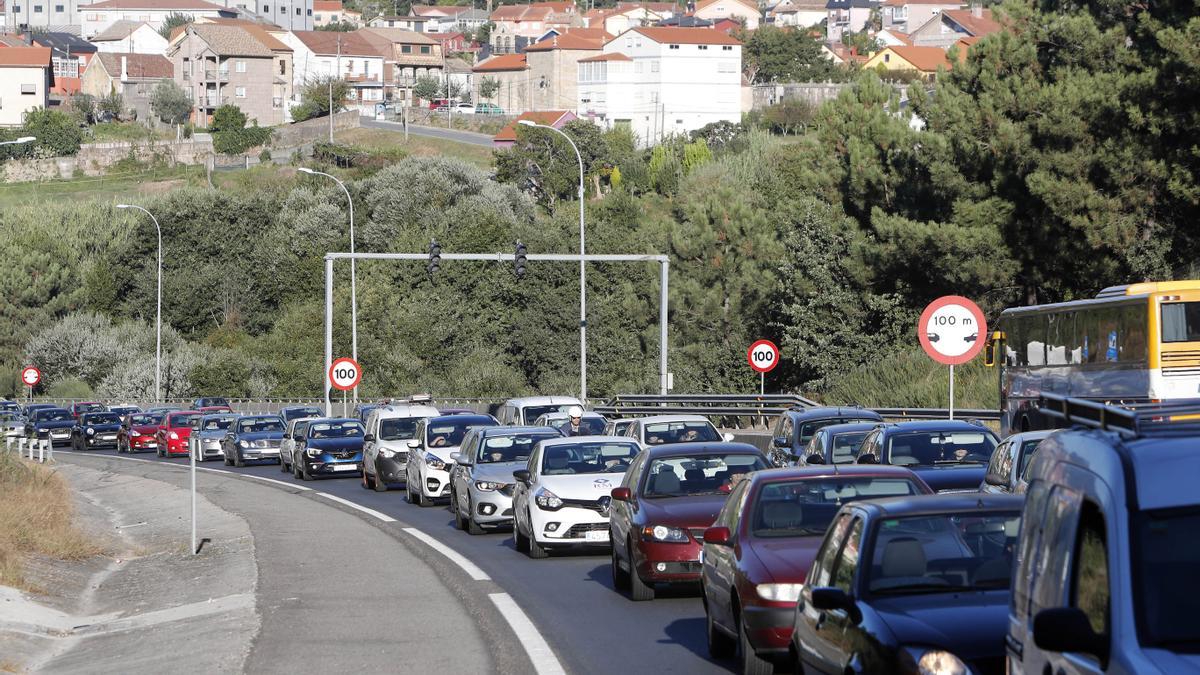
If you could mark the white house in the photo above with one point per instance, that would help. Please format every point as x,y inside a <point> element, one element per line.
<point>802,13</point>
<point>662,81</point>
<point>24,82</point>
<point>130,37</point>
<point>99,16</point>
<point>348,55</point>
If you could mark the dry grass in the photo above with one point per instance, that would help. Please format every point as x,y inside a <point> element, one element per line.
<point>35,518</point>
<point>418,146</point>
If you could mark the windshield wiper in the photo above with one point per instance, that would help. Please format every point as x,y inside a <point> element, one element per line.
<point>942,462</point>
<point>922,588</point>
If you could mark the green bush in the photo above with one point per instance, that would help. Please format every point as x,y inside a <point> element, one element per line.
<point>238,141</point>
<point>70,388</point>
<point>57,133</point>
<point>910,379</point>
<point>264,156</point>
<point>228,117</point>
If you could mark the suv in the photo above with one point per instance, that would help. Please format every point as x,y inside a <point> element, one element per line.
<point>1105,573</point>
<point>385,446</point>
<point>949,455</point>
<point>1010,460</point>
<point>795,428</point>
<point>329,446</point>
<point>523,411</point>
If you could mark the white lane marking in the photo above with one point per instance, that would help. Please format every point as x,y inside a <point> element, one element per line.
<point>455,557</point>
<point>292,486</point>
<point>543,658</point>
<point>370,512</point>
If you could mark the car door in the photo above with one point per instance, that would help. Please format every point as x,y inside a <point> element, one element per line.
<point>844,637</point>
<point>460,474</point>
<point>621,514</point>
<point>521,491</point>
<point>815,650</point>
<point>1090,584</point>
<point>720,567</point>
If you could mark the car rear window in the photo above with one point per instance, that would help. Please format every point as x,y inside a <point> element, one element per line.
<point>680,432</point>
<point>806,507</point>
<point>697,474</point>
<point>928,448</point>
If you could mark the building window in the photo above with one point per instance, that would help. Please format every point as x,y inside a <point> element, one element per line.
<point>310,12</point>
<point>28,88</point>
<point>266,8</point>
<point>654,66</point>
<point>240,66</point>
<point>726,48</point>
<point>425,49</point>
<point>283,67</point>
<point>317,17</point>
<point>297,11</point>
<point>703,47</point>
<point>58,8</point>
<point>37,9</point>
<point>240,92</point>
<point>17,10</point>
<point>405,49</point>
<point>887,58</point>
<point>672,46</point>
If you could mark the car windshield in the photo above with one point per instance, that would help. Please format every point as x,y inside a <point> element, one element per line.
<point>511,448</point>
<point>8,416</point>
<point>398,428</point>
<point>1028,450</point>
<point>589,426</point>
<point>347,429</point>
<point>210,402</point>
<point>1167,555</point>
<point>217,423</point>
<point>579,458</point>
<point>446,433</point>
<point>804,508</point>
<point>928,448</point>
<point>53,415</point>
<point>846,444</point>
<point>101,418</point>
<point>145,419</point>
<point>88,407</point>
<point>532,412</point>
<point>680,432</point>
<point>259,425</point>
<point>809,429</point>
<point>296,413</point>
<point>943,553</point>
<point>699,474</point>
<point>180,420</point>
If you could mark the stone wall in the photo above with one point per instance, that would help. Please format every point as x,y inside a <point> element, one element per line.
<point>813,93</point>
<point>299,133</point>
<point>94,159</point>
<point>484,124</point>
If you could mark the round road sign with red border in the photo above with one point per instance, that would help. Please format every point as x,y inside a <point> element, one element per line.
<point>344,374</point>
<point>763,356</point>
<point>952,330</point>
<point>31,376</point>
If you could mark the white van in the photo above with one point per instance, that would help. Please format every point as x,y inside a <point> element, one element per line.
<point>523,411</point>
<point>385,443</point>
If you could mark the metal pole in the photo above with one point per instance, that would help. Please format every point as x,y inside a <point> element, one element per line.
<point>951,392</point>
<point>664,267</point>
<point>762,384</point>
<point>328,333</point>
<point>353,272</point>
<point>193,472</point>
<point>158,303</point>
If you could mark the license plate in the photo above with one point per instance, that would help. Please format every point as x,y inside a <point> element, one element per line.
<point>108,437</point>
<point>596,535</point>
<point>345,467</point>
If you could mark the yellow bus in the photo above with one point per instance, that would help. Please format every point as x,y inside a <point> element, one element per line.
<point>1133,343</point>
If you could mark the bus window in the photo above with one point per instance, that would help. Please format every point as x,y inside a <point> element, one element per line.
<point>1132,346</point>
<point>1013,342</point>
<point>1060,338</point>
<point>1034,334</point>
<point>1181,322</point>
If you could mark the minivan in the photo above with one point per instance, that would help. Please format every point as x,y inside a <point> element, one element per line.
<point>523,411</point>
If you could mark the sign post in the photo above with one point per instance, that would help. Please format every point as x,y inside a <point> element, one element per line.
<point>344,375</point>
<point>30,375</point>
<point>762,356</point>
<point>952,330</point>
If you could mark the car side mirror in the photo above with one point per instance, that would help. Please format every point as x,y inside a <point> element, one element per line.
<point>814,459</point>
<point>994,479</point>
<point>463,460</point>
<point>1067,629</point>
<point>718,536</point>
<point>831,599</point>
<point>622,494</point>
<point>414,443</point>
<point>523,475</point>
<point>727,437</point>
<point>780,441</point>
<point>298,438</point>
<point>369,438</point>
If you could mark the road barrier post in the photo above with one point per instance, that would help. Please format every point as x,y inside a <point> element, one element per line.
<point>42,451</point>
<point>21,447</point>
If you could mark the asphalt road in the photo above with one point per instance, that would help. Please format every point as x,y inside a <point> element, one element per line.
<point>570,598</point>
<point>433,132</point>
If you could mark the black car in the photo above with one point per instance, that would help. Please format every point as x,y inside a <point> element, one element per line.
<point>836,443</point>
<point>123,410</point>
<point>210,402</point>
<point>95,430</point>
<point>796,427</point>
<point>949,455</point>
<point>297,411</point>
<point>34,407</point>
<point>53,423</point>
<point>253,438</point>
<point>330,446</point>
<point>910,585</point>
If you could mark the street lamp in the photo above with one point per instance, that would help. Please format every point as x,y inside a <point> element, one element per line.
<point>582,264</point>
<point>353,287</point>
<point>158,317</point>
<point>23,139</point>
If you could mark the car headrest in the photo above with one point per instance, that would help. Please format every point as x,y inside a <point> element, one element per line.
<point>904,557</point>
<point>666,482</point>
<point>782,515</point>
<point>557,459</point>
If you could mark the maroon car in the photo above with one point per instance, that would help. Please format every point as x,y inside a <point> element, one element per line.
<point>669,497</point>
<point>78,409</point>
<point>758,552</point>
<point>138,432</point>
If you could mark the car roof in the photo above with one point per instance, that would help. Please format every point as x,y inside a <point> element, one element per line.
<point>260,416</point>
<point>933,425</point>
<point>458,418</point>
<point>848,427</point>
<point>833,471</point>
<point>511,431</point>
<point>562,415</point>
<point>658,419</point>
<point>825,412</point>
<point>573,440</point>
<point>1023,436</point>
<point>700,447</point>
<point>931,505</point>
<point>220,416</point>
<point>299,407</point>
<point>542,400</point>
<point>54,408</point>
<point>405,410</point>
<point>334,419</point>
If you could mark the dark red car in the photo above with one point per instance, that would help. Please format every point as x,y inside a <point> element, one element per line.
<point>669,497</point>
<point>138,432</point>
<point>758,552</point>
<point>214,409</point>
<point>172,436</point>
<point>78,409</point>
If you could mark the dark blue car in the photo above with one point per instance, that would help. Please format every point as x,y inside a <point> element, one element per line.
<point>95,430</point>
<point>910,585</point>
<point>54,423</point>
<point>949,455</point>
<point>330,446</point>
<point>253,438</point>
<point>297,411</point>
<point>796,427</point>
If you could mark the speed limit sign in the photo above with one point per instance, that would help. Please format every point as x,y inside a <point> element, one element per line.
<point>31,376</point>
<point>344,374</point>
<point>763,356</point>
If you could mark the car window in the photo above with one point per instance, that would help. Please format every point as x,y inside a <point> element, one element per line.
<point>823,563</point>
<point>259,425</point>
<point>696,474</point>
<point>928,448</point>
<point>1166,586</point>
<point>217,423</point>
<point>346,429</point>
<point>145,419</point>
<point>869,446</point>
<point>514,448</point>
<point>943,553</point>
<point>398,428</point>
<point>680,432</point>
<point>845,445</point>
<point>101,418</point>
<point>583,458</point>
<point>1054,557</point>
<point>54,416</point>
<point>847,562</point>
<point>1028,450</point>
<point>995,465</point>
<point>449,432</point>
<point>805,507</point>
<point>1089,583</point>
<point>533,412</point>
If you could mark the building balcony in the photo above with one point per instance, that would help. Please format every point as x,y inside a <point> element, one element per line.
<point>211,101</point>
<point>216,75</point>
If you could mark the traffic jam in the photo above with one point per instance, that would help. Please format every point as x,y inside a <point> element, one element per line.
<point>840,541</point>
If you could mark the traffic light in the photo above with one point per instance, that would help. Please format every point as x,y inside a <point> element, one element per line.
<point>519,261</point>
<point>435,257</point>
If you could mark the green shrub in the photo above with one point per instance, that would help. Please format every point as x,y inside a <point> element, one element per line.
<point>70,388</point>
<point>910,379</point>
<point>238,141</point>
<point>57,133</point>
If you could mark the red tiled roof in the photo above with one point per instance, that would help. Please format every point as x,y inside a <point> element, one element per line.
<point>687,36</point>
<point>611,56</point>
<point>327,5</point>
<point>573,38</point>
<point>549,118</point>
<point>652,6</point>
<point>326,42</point>
<point>27,57</point>
<point>539,11</point>
<point>502,62</point>
<point>705,3</point>
<point>137,66</point>
<point>977,26</point>
<point>901,3</point>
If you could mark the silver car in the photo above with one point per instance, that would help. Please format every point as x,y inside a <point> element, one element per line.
<point>205,442</point>
<point>481,481</point>
<point>287,447</point>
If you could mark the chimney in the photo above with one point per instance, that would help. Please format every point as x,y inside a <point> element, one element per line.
<point>124,68</point>
<point>977,11</point>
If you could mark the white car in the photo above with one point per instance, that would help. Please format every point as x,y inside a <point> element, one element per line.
<point>663,429</point>
<point>562,497</point>
<point>523,411</point>
<point>287,447</point>
<point>427,474</point>
<point>385,445</point>
<point>591,424</point>
<point>465,108</point>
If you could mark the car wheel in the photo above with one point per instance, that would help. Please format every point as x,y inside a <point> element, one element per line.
<point>159,451</point>
<point>365,481</point>
<point>620,576</point>
<point>519,538</point>
<point>296,470</point>
<point>304,472</point>
<point>534,549</point>
<point>423,501</point>
<point>283,466</point>
<point>720,645</point>
<point>752,663</point>
<point>638,590</point>
<point>472,526</point>
<point>238,461</point>
<point>408,493</point>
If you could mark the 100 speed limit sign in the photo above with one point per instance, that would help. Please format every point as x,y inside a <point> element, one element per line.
<point>344,374</point>
<point>763,356</point>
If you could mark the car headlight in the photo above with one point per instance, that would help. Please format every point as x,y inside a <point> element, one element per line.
<point>547,500</point>
<point>244,444</point>
<point>91,431</point>
<point>312,452</point>
<point>489,486</point>
<point>664,533</point>
<point>435,462</point>
<point>174,436</point>
<point>924,661</point>
<point>779,592</point>
<point>386,453</point>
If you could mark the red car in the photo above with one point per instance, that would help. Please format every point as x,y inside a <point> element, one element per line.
<point>138,432</point>
<point>669,497</point>
<point>758,552</point>
<point>172,436</point>
<point>215,409</point>
<point>78,409</point>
